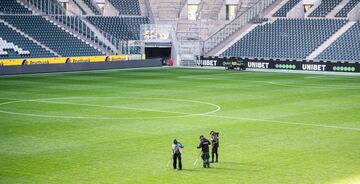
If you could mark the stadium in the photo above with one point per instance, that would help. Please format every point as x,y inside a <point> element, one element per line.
<point>180,91</point>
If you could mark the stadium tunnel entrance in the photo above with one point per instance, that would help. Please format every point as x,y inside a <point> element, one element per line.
<point>163,53</point>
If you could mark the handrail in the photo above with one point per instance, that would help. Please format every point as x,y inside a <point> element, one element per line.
<point>74,23</point>
<point>120,45</point>
<point>83,12</point>
<point>52,6</point>
<point>149,12</point>
<point>235,24</point>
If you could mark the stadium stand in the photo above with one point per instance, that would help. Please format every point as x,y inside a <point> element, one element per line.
<point>346,47</point>
<point>324,8</point>
<point>285,38</point>
<point>92,7</point>
<point>81,9</point>
<point>347,8</point>
<point>16,38</point>
<point>54,37</point>
<point>286,8</point>
<point>9,46</point>
<point>127,7</point>
<point>49,6</point>
<point>12,7</point>
<point>123,28</point>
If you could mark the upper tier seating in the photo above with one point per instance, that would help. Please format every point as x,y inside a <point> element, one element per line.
<point>285,38</point>
<point>286,8</point>
<point>51,35</point>
<point>123,28</point>
<point>10,35</point>
<point>12,7</point>
<point>92,7</point>
<point>346,47</point>
<point>127,7</point>
<point>348,7</point>
<point>324,8</point>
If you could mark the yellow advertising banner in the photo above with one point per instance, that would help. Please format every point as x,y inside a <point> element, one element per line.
<point>62,60</point>
<point>117,58</point>
<point>86,59</point>
<point>41,61</point>
<point>11,62</point>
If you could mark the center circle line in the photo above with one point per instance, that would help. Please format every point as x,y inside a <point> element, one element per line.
<point>46,100</point>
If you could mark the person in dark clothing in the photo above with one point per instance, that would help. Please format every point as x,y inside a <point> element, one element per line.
<point>215,145</point>
<point>204,145</point>
<point>176,153</point>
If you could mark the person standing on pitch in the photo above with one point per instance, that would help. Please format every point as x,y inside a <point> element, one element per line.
<point>215,145</point>
<point>204,145</point>
<point>176,153</point>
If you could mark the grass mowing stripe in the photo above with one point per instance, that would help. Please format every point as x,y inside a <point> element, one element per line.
<point>152,110</point>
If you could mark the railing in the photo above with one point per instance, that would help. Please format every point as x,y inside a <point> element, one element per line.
<point>83,12</point>
<point>120,45</point>
<point>235,24</point>
<point>76,24</point>
<point>47,6</point>
<point>149,12</point>
<point>55,11</point>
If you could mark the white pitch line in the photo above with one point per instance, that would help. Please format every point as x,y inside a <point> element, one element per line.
<point>118,107</point>
<point>275,83</point>
<point>314,86</point>
<point>287,122</point>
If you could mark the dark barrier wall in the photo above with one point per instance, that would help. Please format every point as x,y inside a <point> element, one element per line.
<point>46,68</point>
<point>287,65</point>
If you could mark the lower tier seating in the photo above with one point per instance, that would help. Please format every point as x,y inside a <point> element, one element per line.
<point>24,43</point>
<point>346,47</point>
<point>285,38</point>
<point>324,8</point>
<point>51,35</point>
<point>12,7</point>
<point>123,28</point>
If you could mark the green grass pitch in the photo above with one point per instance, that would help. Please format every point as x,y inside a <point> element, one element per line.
<point>117,127</point>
